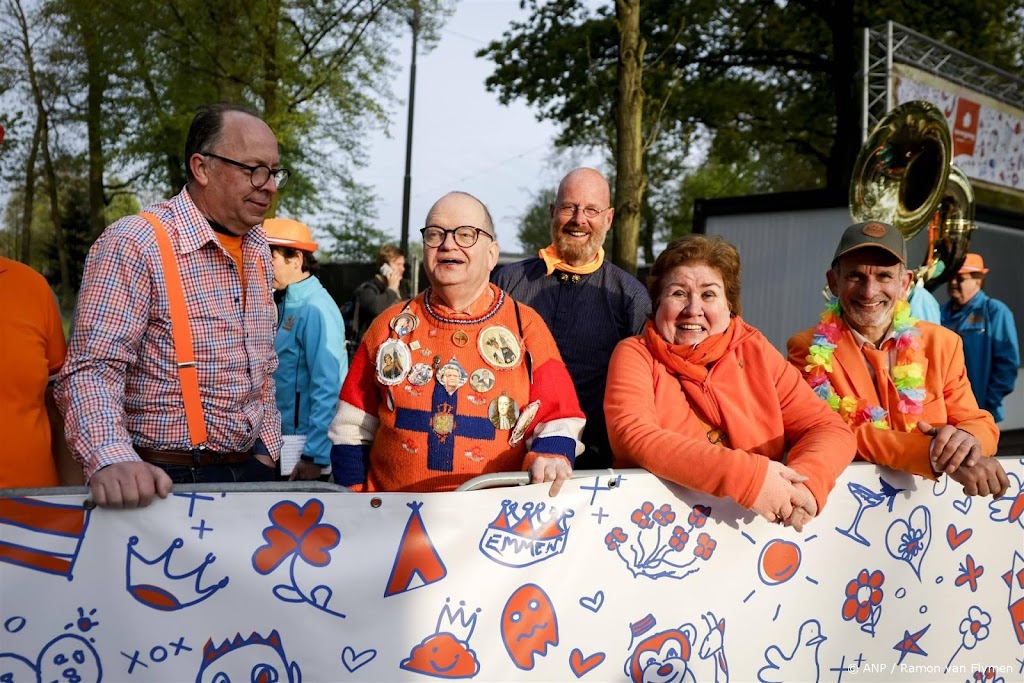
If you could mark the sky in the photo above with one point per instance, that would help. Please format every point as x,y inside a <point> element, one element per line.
<point>463,138</point>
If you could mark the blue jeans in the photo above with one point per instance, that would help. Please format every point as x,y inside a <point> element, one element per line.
<point>250,470</point>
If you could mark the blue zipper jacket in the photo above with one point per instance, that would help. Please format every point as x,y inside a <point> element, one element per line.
<point>310,344</point>
<point>991,351</point>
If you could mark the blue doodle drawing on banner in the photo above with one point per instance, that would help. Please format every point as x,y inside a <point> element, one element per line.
<point>519,539</point>
<point>593,603</point>
<point>974,628</point>
<point>157,654</point>
<point>42,536</point>
<point>16,668</point>
<point>353,661</point>
<point>613,483</point>
<point>446,652</point>
<point>713,646</point>
<point>1009,508</point>
<point>649,552</point>
<point>796,662</point>
<point>910,644</point>
<point>251,659</point>
<point>69,657</point>
<point>908,539</point>
<point>1014,580</point>
<point>297,533</point>
<point>153,584</point>
<point>663,656</point>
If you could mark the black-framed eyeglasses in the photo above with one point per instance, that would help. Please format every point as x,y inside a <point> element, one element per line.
<point>464,235</point>
<point>569,210</point>
<point>258,175</point>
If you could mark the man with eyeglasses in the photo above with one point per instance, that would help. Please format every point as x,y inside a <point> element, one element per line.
<point>168,376</point>
<point>429,428</point>
<point>589,304</point>
<point>989,333</point>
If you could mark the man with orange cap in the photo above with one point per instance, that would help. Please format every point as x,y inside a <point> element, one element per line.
<point>310,345</point>
<point>987,327</point>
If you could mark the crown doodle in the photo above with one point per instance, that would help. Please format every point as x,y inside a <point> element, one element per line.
<point>211,652</point>
<point>456,623</point>
<point>520,538</point>
<point>152,582</point>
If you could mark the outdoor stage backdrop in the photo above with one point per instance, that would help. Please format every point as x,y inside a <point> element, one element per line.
<point>621,577</point>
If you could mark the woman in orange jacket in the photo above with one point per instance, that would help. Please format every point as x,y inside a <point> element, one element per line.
<point>702,399</point>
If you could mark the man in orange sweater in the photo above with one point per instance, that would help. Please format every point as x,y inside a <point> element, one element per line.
<point>436,423</point>
<point>900,383</point>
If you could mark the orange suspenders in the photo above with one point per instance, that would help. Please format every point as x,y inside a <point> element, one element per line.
<point>181,331</point>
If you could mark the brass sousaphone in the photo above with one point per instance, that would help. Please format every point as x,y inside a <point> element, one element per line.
<point>903,176</point>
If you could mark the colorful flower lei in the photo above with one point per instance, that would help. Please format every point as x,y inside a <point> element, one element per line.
<point>907,373</point>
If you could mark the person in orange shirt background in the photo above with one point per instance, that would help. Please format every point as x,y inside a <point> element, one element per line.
<point>32,349</point>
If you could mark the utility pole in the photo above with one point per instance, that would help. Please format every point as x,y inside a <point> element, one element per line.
<point>413,18</point>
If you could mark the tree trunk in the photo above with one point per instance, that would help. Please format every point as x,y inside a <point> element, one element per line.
<point>30,196</point>
<point>845,89</point>
<point>97,83</point>
<point>630,181</point>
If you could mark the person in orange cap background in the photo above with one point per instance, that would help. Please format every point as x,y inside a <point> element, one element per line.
<point>310,344</point>
<point>989,333</point>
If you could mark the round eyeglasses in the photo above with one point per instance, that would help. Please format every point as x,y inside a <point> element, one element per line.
<point>569,210</point>
<point>258,175</point>
<point>464,235</point>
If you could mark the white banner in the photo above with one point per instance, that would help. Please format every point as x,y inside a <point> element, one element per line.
<point>621,577</point>
<point>988,136</point>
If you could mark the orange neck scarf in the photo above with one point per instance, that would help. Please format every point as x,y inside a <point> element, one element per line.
<point>552,260</point>
<point>685,361</point>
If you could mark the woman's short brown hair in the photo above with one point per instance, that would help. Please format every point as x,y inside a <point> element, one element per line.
<point>712,251</point>
<point>309,262</point>
<point>388,253</point>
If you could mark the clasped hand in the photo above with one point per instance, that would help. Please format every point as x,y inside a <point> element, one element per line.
<point>784,498</point>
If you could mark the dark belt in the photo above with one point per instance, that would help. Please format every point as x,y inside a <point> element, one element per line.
<point>196,458</point>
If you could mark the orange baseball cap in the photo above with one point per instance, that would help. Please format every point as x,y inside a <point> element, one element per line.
<point>974,264</point>
<point>285,232</point>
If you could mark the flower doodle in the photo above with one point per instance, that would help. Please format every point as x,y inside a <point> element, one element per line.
<point>297,533</point>
<point>655,548</point>
<point>863,602</point>
<point>973,630</point>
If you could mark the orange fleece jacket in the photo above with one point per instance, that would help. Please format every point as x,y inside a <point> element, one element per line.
<point>948,399</point>
<point>758,399</point>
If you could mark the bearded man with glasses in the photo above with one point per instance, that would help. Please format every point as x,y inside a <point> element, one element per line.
<point>168,377</point>
<point>431,428</point>
<point>589,304</point>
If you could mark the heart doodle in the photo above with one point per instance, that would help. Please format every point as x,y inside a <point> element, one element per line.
<point>964,506</point>
<point>353,662</point>
<point>957,539</point>
<point>593,603</point>
<point>909,539</point>
<point>581,665</point>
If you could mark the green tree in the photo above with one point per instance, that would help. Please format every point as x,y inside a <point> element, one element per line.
<point>534,230</point>
<point>756,82</point>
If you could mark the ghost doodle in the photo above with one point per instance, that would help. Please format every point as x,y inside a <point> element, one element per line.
<point>528,625</point>
<point>663,657</point>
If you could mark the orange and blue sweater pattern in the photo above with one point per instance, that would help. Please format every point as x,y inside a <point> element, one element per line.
<point>378,448</point>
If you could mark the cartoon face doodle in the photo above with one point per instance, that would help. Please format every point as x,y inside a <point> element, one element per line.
<point>663,657</point>
<point>253,659</point>
<point>528,625</point>
<point>69,658</point>
<point>16,668</point>
<point>442,655</point>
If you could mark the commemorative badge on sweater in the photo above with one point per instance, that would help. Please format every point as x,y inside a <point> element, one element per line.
<point>393,362</point>
<point>499,347</point>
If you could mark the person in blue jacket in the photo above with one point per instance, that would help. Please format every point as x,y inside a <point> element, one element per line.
<point>310,344</point>
<point>989,334</point>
